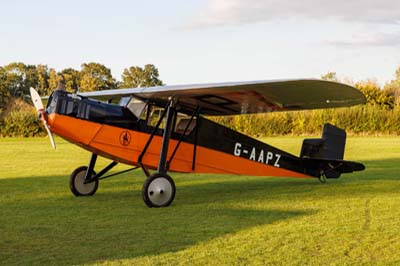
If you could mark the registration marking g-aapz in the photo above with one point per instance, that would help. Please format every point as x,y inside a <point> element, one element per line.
<point>257,154</point>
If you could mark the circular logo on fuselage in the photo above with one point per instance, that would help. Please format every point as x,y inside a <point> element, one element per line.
<point>125,138</point>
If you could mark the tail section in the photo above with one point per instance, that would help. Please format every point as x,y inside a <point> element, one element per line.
<point>324,156</point>
<point>330,146</point>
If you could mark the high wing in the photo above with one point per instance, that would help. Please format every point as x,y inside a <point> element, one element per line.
<point>243,97</point>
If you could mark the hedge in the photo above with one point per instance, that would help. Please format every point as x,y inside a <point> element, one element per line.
<point>358,120</point>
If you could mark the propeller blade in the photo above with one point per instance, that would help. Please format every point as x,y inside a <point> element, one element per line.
<point>53,143</point>
<point>37,102</point>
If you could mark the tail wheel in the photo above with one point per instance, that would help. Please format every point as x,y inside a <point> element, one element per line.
<point>77,183</point>
<point>158,190</point>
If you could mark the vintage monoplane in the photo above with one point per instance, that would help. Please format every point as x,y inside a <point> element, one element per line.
<point>163,128</point>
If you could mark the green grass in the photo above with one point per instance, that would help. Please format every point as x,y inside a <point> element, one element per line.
<point>214,220</point>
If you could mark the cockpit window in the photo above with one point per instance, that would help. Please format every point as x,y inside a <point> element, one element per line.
<point>137,107</point>
<point>124,101</point>
<point>51,104</point>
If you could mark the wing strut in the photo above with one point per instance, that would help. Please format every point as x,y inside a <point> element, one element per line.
<point>196,134</point>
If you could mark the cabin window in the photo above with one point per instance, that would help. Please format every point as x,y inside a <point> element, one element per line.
<point>155,114</point>
<point>182,122</point>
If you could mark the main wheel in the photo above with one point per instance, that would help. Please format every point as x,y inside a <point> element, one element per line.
<point>158,190</point>
<point>77,185</point>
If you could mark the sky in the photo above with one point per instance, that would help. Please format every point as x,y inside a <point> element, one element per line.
<point>197,41</point>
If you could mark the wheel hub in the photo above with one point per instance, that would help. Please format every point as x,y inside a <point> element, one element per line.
<point>160,191</point>
<point>80,185</point>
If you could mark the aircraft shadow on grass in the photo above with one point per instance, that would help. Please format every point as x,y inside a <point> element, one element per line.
<point>115,224</point>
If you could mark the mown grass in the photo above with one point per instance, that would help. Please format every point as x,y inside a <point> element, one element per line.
<point>214,220</point>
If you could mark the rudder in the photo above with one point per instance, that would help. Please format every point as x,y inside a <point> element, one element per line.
<point>330,146</point>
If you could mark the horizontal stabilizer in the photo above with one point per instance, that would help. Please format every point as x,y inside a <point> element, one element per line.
<point>330,168</point>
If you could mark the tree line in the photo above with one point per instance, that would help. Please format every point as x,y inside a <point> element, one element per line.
<point>381,114</point>
<point>387,96</point>
<point>17,78</point>
<point>16,114</point>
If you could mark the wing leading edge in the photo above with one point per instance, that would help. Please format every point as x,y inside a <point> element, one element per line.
<point>245,97</point>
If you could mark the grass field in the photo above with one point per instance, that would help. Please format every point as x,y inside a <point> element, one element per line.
<point>214,220</point>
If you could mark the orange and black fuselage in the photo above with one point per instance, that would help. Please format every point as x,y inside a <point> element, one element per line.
<point>112,131</point>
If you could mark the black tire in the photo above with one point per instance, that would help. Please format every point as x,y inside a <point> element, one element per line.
<point>76,185</point>
<point>158,190</point>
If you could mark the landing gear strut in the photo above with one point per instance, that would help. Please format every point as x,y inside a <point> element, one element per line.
<point>159,189</point>
<point>84,181</point>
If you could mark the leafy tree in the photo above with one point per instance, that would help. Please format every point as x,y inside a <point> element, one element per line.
<point>132,77</point>
<point>71,78</point>
<point>136,76</point>
<point>151,76</point>
<point>330,76</point>
<point>42,73</point>
<point>31,78</point>
<point>392,88</point>
<point>53,80</point>
<point>374,94</point>
<point>4,91</point>
<point>95,76</point>
<point>20,78</point>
